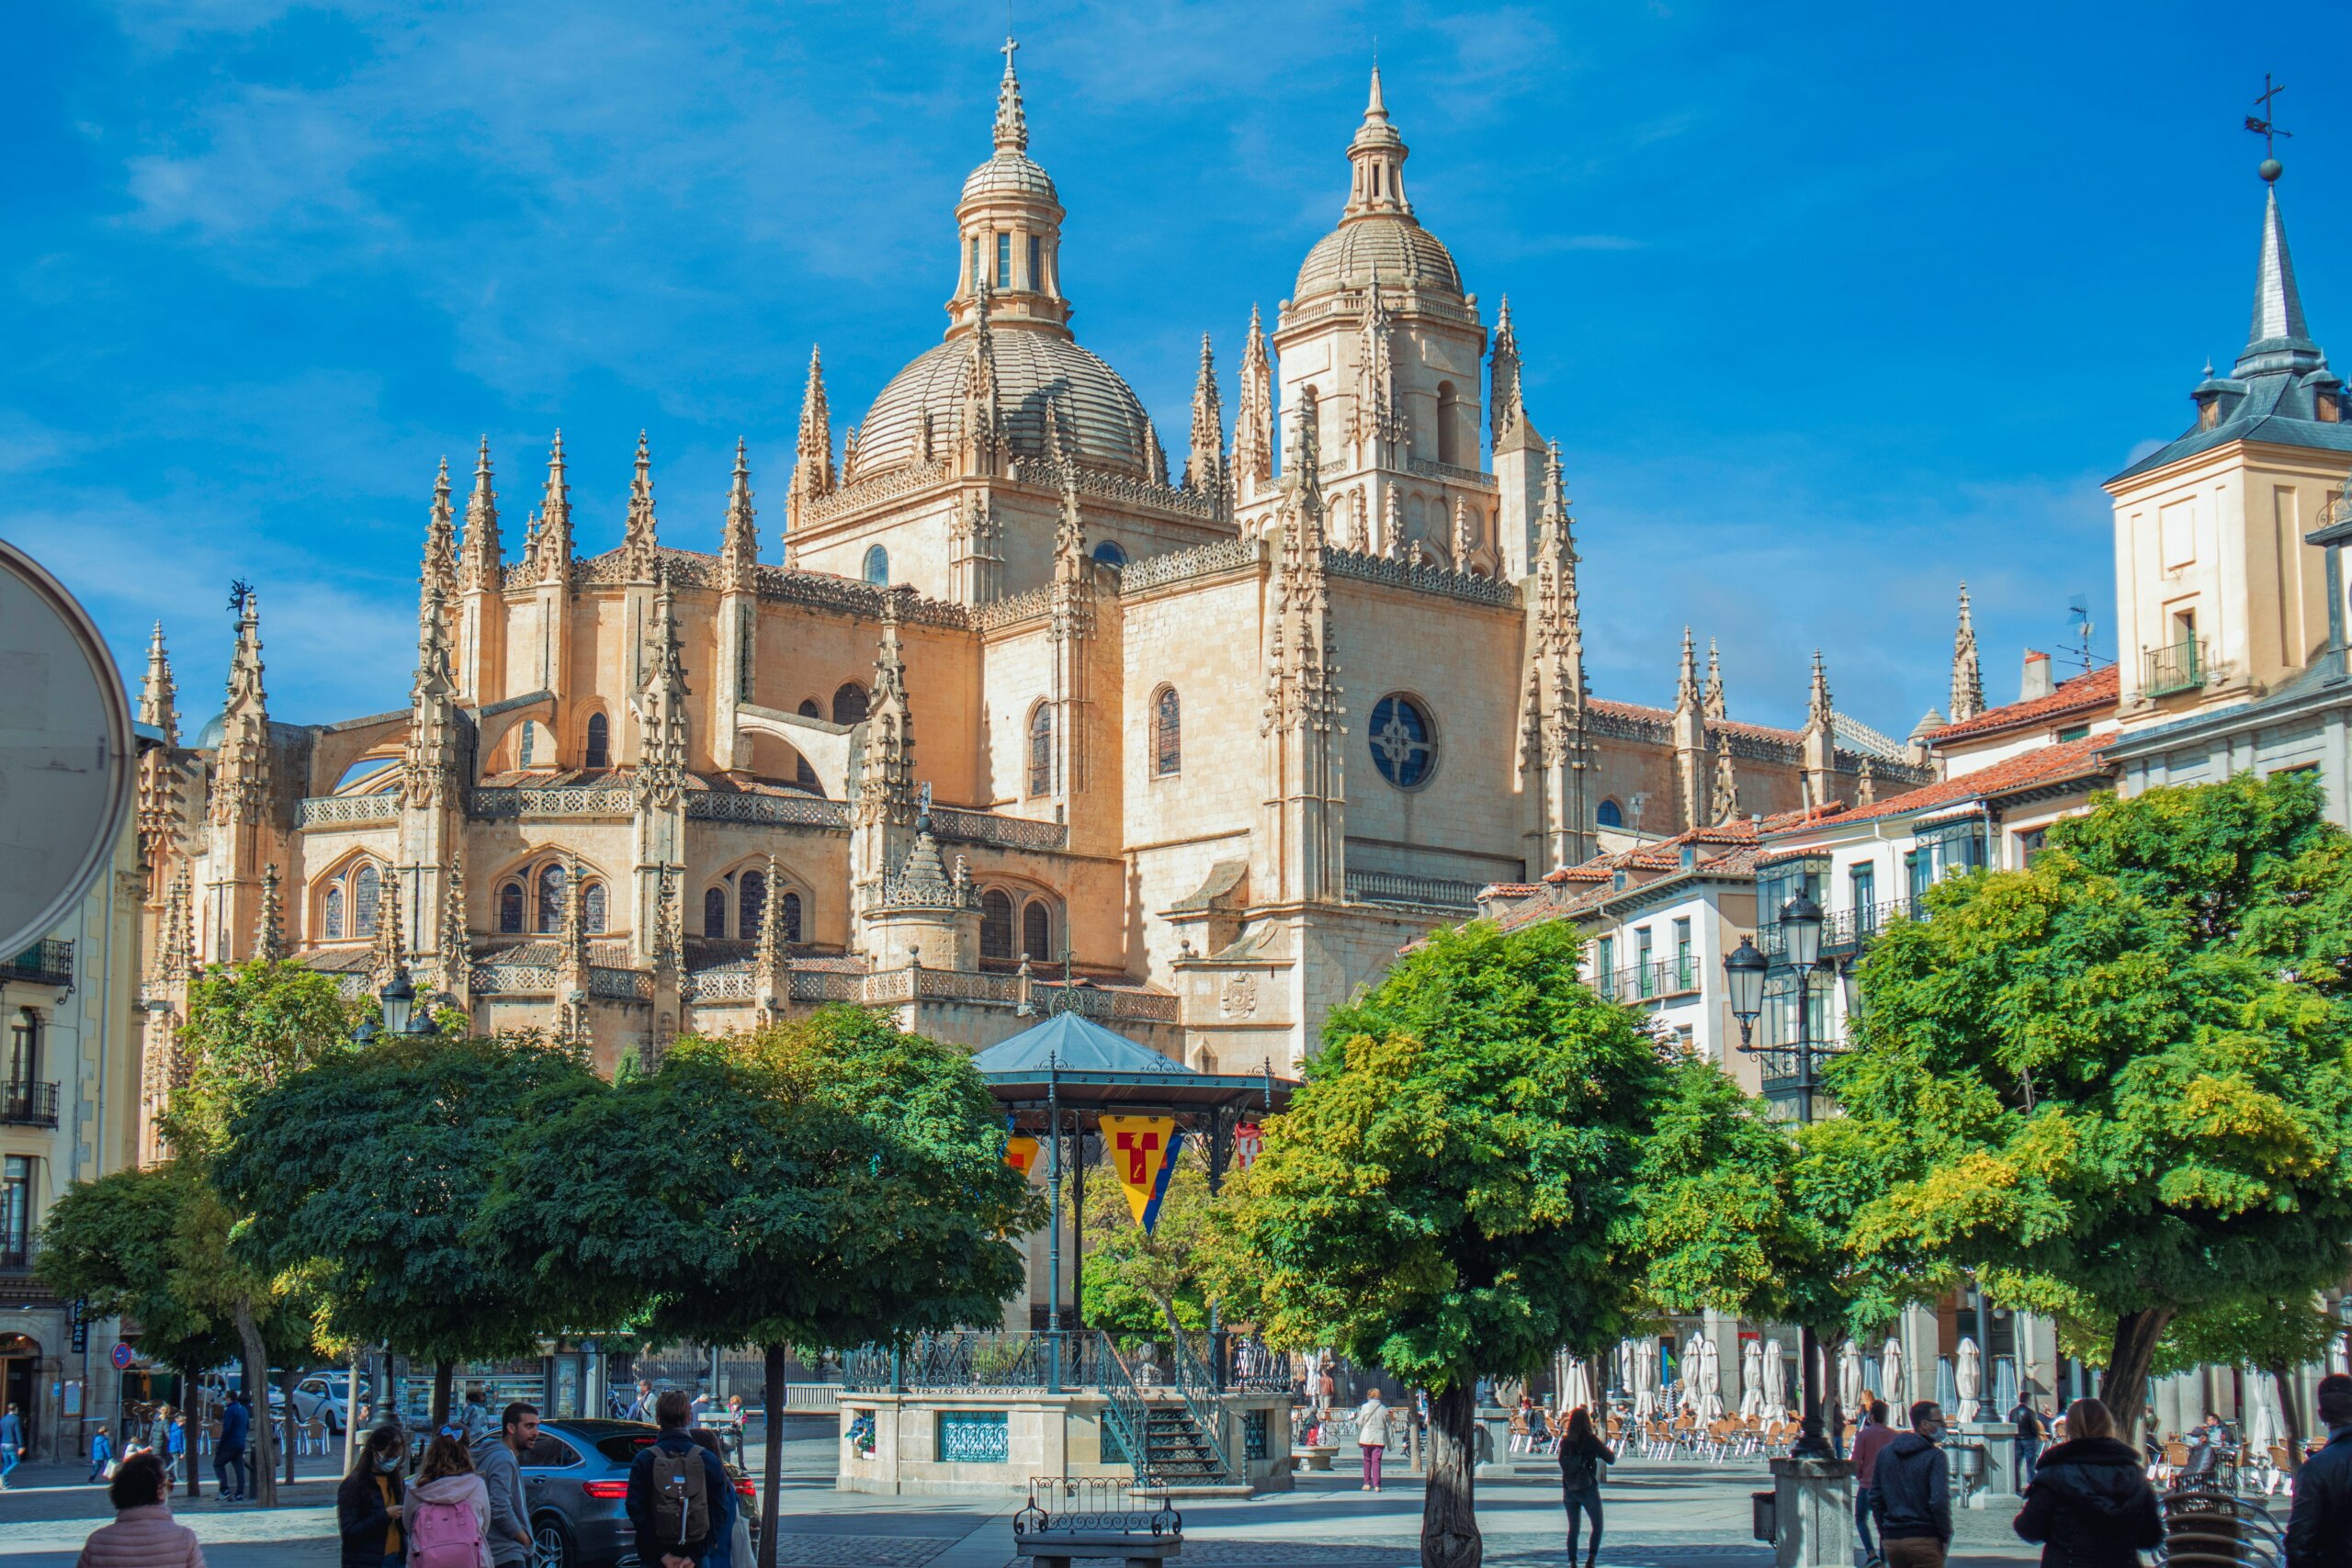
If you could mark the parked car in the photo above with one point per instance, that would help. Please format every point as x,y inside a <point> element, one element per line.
<point>575,1479</point>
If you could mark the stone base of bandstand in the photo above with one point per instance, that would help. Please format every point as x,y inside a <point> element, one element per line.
<point>1060,1435</point>
<point>1813,1502</point>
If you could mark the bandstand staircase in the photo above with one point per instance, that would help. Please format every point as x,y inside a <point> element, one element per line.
<point>1169,1434</point>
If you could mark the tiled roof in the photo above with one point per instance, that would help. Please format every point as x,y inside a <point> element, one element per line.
<point>619,778</point>
<point>1510,889</point>
<point>2099,689</point>
<point>2027,770</point>
<point>1666,715</point>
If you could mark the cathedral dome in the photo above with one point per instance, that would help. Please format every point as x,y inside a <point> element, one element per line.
<point>1097,417</point>
<point>1396,250</point>
<point>1009,174</point>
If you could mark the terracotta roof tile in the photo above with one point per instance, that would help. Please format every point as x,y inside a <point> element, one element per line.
<point>2027,770</point>
<point>1666,715</point>
<point>2097,689</point>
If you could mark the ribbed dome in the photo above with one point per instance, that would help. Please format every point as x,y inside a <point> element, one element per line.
<point>1403,251</point>
<point>1009,174</point>
<point>1098,415</point>
<point>209,738</point>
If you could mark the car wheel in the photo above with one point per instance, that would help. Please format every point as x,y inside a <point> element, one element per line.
<point>554,1543</point>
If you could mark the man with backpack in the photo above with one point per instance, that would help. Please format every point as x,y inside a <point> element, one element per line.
<point>1912,1494</point>
<point>228,1450</point>
<point>676,1492</point>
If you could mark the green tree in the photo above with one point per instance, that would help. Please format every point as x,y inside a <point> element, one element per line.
<point>1487,1163</point>
<point>824,1182</point>
<point>2116,1086</point>
<point>1147,1286</point>
<point>367,1176</point>
<point>2270,1334</point>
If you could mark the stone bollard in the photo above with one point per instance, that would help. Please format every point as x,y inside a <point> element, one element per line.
<point>1999,1483</point>
<point>1813,1501</point>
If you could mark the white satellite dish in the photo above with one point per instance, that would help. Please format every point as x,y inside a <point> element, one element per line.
<point>67,763</point>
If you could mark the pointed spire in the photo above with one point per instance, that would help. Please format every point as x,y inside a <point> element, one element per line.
<point>1686,686</point>
<point>389,958</point>
<point>571,938</point>
<point>662,706</point>
<point>1461,541</point>
<point>553,562</point>
<point>429,774</point>
<point>1967,672</point>
<point>269,929</point>
<point>812,471</point>
<point>2277,338</point>
<point>886,794</point>
<point>1818,711</point>
<point>1503,378</point>
<point>669,938</point>
<point>156,692</point>
<point>1012,123</point>
<point>1204,471</point>
<point>1726,805</point>
<point>640,548</point>
<point>158,808</point>
<point>981,436</point>
<point>1253,421</point>
<point>456,944</point>
<point>771,953</point>
<point>483,568</point>
<point>1375,107</point>
<point>242,762</point>
<point>441,540</point>
<point>1378,153</point>
<point>1714,704</point>
<point>738,545</point>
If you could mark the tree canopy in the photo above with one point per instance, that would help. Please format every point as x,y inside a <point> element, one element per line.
<point>2118,1085</point>
<point>1139,1284</point>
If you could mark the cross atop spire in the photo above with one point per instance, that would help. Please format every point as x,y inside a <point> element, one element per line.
<point>1012,124</point>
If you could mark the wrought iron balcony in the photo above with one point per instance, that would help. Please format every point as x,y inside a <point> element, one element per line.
<point>1658,979</point>
<point>46,962</point>
<point>16,1256</point>
<point>27,1104</point>
<point>2178,667</point>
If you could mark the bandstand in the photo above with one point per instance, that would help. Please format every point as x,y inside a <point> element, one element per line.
<point>988,1411</point>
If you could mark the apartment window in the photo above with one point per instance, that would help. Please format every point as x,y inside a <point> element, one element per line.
<point>24,1049</point>
<point>16,1211</point>
<point>1862,882</point>
<point>1684,977</point>
<point>1643,976</point>
<point>2030,843</point>
<point>1604,965</point>
<point>1004,261</point>
<point>1919,871</point>
<point>2079,732</point>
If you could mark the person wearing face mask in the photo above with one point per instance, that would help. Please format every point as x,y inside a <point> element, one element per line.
<point>1912,1494</point>
<point>368,1504</point>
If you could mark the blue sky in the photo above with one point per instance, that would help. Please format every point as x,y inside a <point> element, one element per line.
<point>1828,306</point>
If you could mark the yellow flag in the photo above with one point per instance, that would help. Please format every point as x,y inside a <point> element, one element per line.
<point>1142,1150</point>
<point>1020,1154</point>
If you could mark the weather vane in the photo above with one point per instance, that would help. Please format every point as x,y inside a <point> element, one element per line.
<point>2265,125</point>
<point>238,592</point>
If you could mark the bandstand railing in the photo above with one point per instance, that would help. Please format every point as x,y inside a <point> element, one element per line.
<point>1198,1388</point>
<point>978,1361</point>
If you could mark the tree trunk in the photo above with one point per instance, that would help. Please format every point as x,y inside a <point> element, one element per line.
<point>293,1421</point>
<point>192,1412</point>
<point>444,1372</point>
<point>2124,1389</point>
<point>2290,1414</point>
<point>1449,1517</point>
<point>256,1390</point>
<point>772,1458</point>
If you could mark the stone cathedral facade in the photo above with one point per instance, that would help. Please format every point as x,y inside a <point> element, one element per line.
<point>1021,716</point>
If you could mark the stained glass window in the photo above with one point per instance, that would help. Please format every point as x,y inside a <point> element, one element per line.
<point>1036,931</point>
<point>714,912</point>
<point>849,703</point>
<point>592,906</point>
<point>1404,746</point>
<point>1610,815</point>
<point>1111,553</point>
<point>995,925</point>
<point>522,748</point>
<point>1041,750</point>
<point>877,566</point>
<point>552,898</point>
<point>792,916</point>
<point>335,913</point>
<point>510,909</point>
<point>752,899</point>
<point>366,889</point>
<point>600,749</point>
<point>1167,732</point>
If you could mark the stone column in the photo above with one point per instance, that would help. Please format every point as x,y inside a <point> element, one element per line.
<point>1813,1503</point>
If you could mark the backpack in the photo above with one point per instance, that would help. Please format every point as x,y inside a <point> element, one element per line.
<point>681,1497</point>
<point>443,1534</point>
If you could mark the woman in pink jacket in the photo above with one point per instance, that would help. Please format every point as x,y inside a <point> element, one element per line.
<point>144,1534</point>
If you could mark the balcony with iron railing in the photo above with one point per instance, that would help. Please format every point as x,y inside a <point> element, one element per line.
<point>2177,667</point>
<point>23,1103</point>
<point>1653,981</point>
<point>49,961</point>
<point>1842,929</point>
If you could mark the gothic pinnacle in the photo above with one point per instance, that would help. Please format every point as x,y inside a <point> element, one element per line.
<point>1818,710</point>
<point>555,519</point>
<point>156,692</point>
<point>1012,122</point>
<point>440,539</point>
<point>739,549</point>
<point>1967,670</point>
<point>1686,687</point>
<point>813,471</point>
<point>1713,702</point>
<point>1204,473</point>
<point>481,562</point>
<point>638,542</point>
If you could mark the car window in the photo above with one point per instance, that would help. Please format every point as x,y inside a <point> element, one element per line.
<point>622,1447</point>
<point>548,1451</point>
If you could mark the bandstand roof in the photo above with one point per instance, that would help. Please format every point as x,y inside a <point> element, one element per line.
<point>1088,1067</point>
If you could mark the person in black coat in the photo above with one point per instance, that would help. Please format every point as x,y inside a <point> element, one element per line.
<point>1582,1453</point>
<point>2319,1531</point>
<point>2089,1505</point>
<point>368,1504</point>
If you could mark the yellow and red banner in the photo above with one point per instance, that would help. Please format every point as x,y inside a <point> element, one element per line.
<point>1143,1153</point>
<point>1020,1154</point>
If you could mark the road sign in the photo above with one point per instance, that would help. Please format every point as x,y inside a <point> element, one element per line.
<point>122,1356</point>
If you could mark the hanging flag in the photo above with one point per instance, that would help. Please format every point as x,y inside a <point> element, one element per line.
<point>1142,1150</point>
<point>1020,1154</point>
<point>1249,1143</point>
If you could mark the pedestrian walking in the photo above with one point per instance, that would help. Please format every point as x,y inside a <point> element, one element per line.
<point>674,1491</point>
<point>499,1460</point>
<point>1912,1494</point>
<point>445,1518</point>
<point>101,1456</point>
<point>1870,1438</point>
<point>1372,1437</point>
<point>2319,1529</point>
<point>174,1442</point>
<point>474,1422</point>
<point>12,1442</point>
<point>228,1450</point>
<point>735,1426</point>
<point>1582,1453</point>
<point>368,1504</point>
<point>2090,1505</point>
<point>730,1544</point>
<point>2025,1448</point>
<point>143,1534</point>
<point>642,1408</point>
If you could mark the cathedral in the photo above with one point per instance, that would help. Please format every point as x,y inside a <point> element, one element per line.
<point>1012,716</point>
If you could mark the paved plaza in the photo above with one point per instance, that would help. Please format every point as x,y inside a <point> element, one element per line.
<point>1660,1516</point>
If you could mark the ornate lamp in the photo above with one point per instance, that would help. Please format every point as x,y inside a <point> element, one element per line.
<point>400,1001</point>
<point>1744,969</point>
<point>1800,924</point>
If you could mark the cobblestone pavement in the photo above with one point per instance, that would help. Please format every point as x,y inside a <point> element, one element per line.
<point>1659,1515</point>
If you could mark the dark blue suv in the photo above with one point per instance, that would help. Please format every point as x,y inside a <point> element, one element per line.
<point>575,1479</point>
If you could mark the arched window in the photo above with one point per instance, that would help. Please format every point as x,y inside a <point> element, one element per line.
<point>1041,750</point>
<point>877,566</point>
<point>1167,732</point>
<point>1111,553</point>
<point>1449,420</point>
<point>1609,815</point>
<point>792,916</point>
<point>1404,746</point>
<point>714,912</point>
<point>996,924</point>
<point>591,907</point>
<point>751,897</point>
<point>510,909</point>
<point>552,898</point>
<point>366,889</point>
<point>806,776</point>
<point>849,703</point>
<point>522,745</point>
<point>600,749</point>
<point>335,913</point>
<point>1036,931</point>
